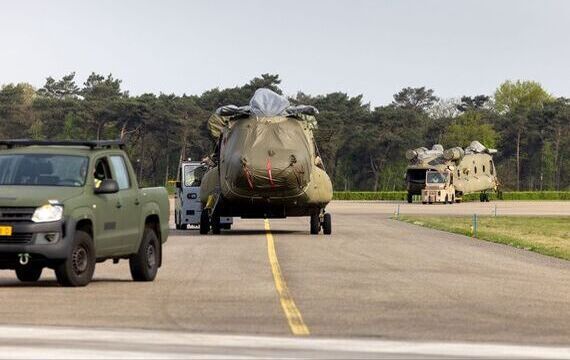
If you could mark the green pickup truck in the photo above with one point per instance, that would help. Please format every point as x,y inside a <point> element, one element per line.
<point>67,205</point>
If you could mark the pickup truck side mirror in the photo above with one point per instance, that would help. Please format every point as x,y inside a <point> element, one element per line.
<point>178,184</point>
<point>108,186</point>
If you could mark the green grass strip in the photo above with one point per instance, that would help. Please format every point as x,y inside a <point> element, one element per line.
<point>401,195</point>
<point>547,235</point>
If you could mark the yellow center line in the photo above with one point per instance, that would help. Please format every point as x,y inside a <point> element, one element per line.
<point>292,313</point>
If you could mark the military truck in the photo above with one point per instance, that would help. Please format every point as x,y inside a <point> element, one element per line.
<point>444,176</point>
<point>67,205</point>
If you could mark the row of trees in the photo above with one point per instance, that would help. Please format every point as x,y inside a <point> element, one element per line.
<point>363,147</point>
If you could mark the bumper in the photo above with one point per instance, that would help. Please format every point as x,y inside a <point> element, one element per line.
<point>433,196</point>
<point>43,241</point>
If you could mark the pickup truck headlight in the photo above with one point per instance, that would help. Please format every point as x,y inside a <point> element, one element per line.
<point>48,213</point>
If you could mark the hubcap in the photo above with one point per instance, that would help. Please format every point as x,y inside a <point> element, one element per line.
<point>79,260</point>
<point>150,256</point>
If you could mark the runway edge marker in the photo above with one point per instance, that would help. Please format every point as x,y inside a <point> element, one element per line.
<point>294,318</point>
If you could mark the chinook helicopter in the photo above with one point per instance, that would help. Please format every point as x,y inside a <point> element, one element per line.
<point>265,165</point>
<point>445,176</point>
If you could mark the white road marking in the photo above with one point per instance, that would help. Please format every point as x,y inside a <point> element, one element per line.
<point>18,342</point>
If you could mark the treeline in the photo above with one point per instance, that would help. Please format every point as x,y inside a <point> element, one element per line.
<point>363,147</point>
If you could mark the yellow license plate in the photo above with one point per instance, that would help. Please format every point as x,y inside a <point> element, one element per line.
<point>5,231</point>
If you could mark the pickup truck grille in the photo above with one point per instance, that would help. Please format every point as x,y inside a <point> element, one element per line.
<point>16,213</point>
<point>16,238</point>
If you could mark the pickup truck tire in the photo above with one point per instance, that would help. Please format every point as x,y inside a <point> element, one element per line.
<point>144,264</point>
<point>29,273</point>
<point>78,268</point>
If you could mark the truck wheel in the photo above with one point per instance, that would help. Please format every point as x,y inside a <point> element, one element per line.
<point>315,224</point>
<point>29,273</point>
<point>144,264</point>
<point>204,222</point>
<point>327,224</point>
<point>410,198</point>
<point>447,199</point>
<point>216,226</point>
<point>78,268</point>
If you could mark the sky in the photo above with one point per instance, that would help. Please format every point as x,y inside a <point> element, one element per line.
<point>368,47</point>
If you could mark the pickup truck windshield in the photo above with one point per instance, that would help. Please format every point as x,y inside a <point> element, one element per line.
<point>43,170</point>
<point>436,178</point>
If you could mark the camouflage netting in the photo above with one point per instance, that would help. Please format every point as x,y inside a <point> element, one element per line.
<point>264,103</point>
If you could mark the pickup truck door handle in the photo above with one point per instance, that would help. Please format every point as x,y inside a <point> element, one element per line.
<point>137,202</point>
<point>119,205</point>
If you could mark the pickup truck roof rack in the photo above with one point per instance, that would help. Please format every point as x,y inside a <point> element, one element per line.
<point>92,144</point>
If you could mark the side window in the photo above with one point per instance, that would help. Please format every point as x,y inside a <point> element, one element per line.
<point>121,172</point>
<point>102,171</point>
<point>483,168</point>
<point>475,170</point>
<point>458,173</point>
<point>189,175</point>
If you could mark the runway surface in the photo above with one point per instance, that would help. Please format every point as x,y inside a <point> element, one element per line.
<point>375,278</point>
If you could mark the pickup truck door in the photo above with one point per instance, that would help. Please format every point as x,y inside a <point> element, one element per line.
<point>129,204</point>
<point>105,208</point>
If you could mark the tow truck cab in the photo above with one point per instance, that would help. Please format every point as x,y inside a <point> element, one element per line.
<point>439,187</point>
<point>188,207</point>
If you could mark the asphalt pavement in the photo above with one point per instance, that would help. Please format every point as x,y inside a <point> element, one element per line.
<point>375,278</point>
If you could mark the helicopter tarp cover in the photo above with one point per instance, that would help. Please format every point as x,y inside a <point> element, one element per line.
<point>269,152</point>
<point>264,103</point>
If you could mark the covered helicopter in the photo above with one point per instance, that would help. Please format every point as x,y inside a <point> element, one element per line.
<point>266,164</point>
<point>440,175</point>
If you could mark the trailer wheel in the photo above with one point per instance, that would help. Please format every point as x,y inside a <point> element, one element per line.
<point>327,224</point>
<point>447,199</point>
<point>216,227</point>
<point>204,222</point>
<point>315,224</point>
<point>410,197</point>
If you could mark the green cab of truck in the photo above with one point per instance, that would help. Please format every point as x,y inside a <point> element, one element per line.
<point>67,205</point>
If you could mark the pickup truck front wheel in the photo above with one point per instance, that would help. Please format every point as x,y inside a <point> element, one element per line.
<point>78,268</point>
<point>144,264</point>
